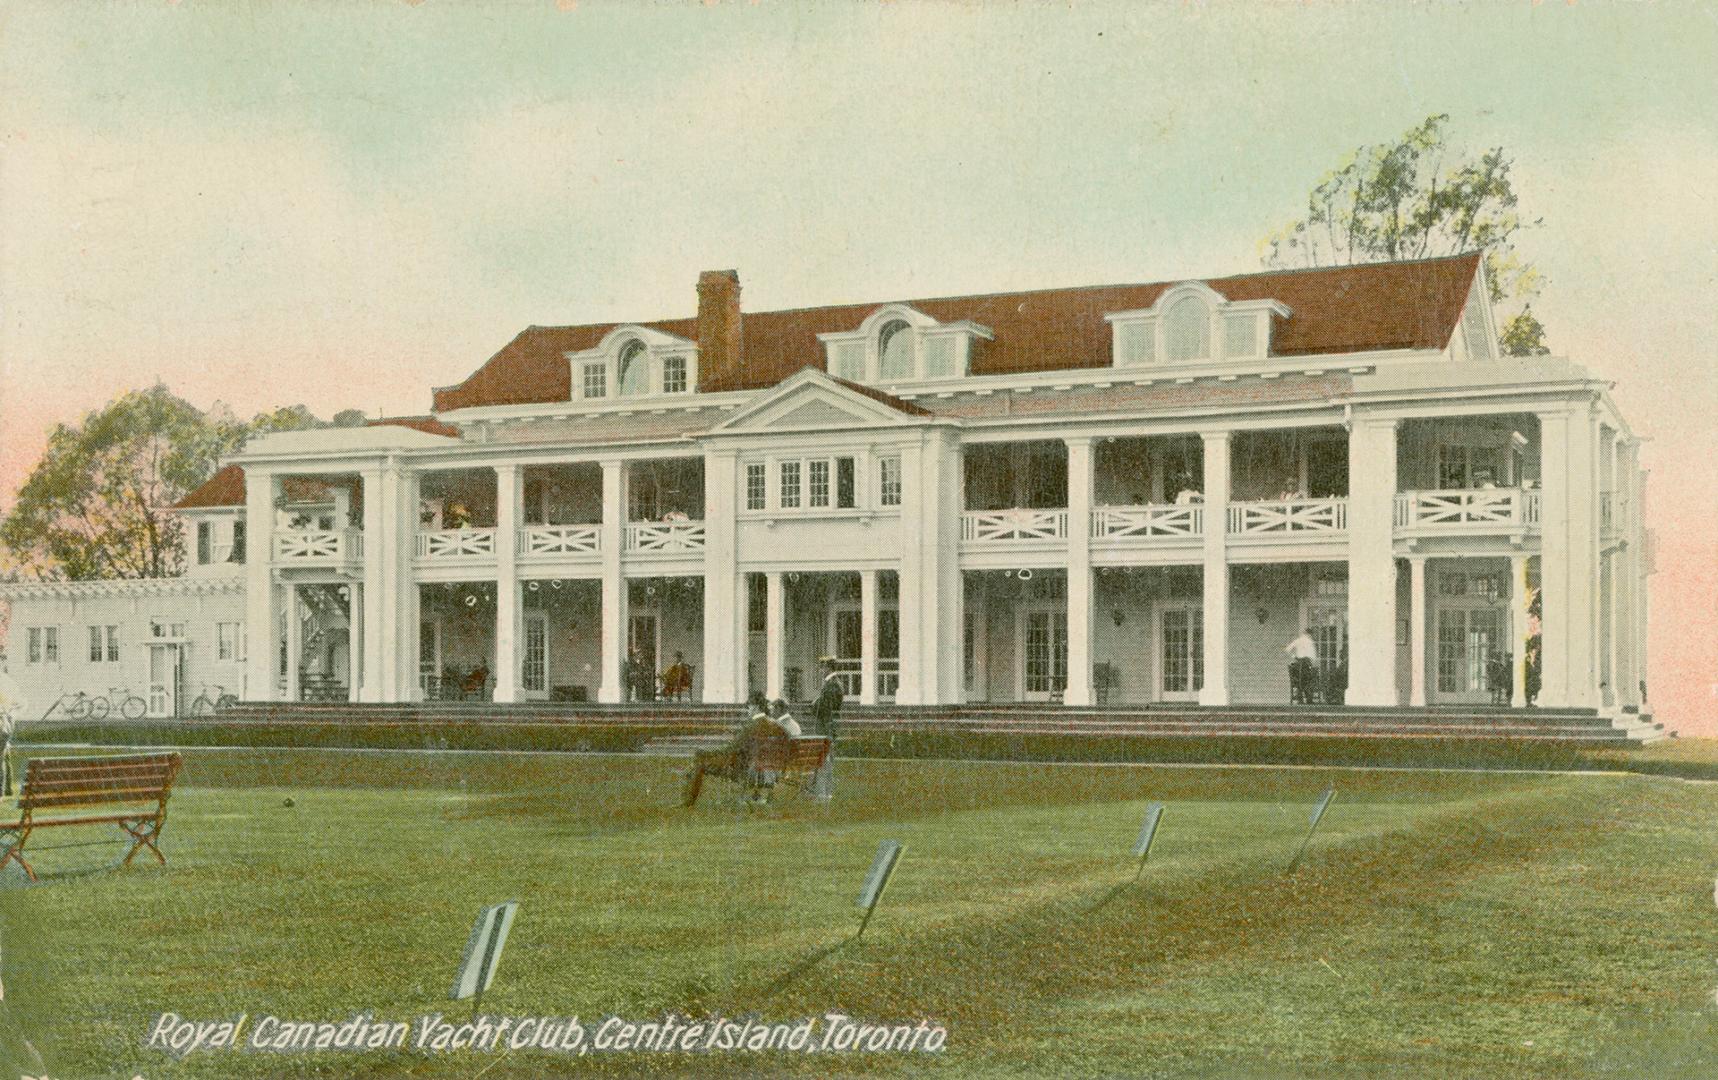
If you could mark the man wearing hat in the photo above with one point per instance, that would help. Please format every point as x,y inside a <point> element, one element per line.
<point>826,710</point>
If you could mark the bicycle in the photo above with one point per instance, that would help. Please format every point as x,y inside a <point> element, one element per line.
<point>205,705</point>
<point>121,698</point>
<point>80,708</point>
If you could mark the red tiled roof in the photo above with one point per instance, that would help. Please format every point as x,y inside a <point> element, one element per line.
<point>886,398</point>
<point>1405,305</point>
<point>225,488</point>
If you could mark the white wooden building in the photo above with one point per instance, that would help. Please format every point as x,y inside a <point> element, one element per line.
<point>1132,493</point>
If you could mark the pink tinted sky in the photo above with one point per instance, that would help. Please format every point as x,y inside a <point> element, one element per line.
<point>344,205</point>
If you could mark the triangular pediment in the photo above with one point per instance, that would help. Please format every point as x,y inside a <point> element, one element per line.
<point>812,401</point>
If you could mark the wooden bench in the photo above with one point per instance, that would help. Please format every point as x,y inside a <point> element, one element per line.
<point>789,760</point>
<point>130,792</point>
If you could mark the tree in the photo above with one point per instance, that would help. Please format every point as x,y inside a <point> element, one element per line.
<point>95,506</point>
<point>1398,200</point>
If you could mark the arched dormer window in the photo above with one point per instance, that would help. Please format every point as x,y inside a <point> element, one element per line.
<point>1187,330</point>
<point>634,377</point>
<point>895,351</point>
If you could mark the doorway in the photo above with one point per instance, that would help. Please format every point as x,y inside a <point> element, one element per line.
<point>1467,639</point>
<point>1181,652</point>
<point>1043,637</point>
<point>534,658</point>
<point>166,678</point>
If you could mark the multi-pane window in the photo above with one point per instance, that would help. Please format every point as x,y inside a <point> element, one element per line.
<point>674,375</point>
<point>895,351</point>
<point>818,488</point>
<point>163,629</point>
<point>229,641</point>
<point>596,381</point>
<point>757,485</point>
<point>103,644</point>
<point>790,485</point>
<point>889,482</point>
<point>42,645</point>
<point>634,370</point>
<point>1187,330</point>
<point>238,553</point>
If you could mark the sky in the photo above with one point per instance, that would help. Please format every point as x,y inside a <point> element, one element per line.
<point>345,204</point>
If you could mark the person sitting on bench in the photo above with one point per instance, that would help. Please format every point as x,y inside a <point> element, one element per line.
<point>732,760</point>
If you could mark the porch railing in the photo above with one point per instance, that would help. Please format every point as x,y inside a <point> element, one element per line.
<point>665,536</point>
<point>1126,522</point>
<point>1279,517</point>
<point>1454,509</point>
<point>322,546</point>
<point>560,540</point>
<point>999,526</point>
<point>456,544</point>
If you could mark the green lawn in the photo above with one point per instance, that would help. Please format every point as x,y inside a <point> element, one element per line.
<point>1449,924</point>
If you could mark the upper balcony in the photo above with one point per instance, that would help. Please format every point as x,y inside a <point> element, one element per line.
<point>318,523</point>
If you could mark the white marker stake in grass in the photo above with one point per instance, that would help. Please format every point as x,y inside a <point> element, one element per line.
<point>1147,833</point>
<point>1317,816</point>
<point>882,869</point>
<point>483,951</point>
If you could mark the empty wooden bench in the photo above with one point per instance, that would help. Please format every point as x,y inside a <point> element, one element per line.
<point>130,792</point>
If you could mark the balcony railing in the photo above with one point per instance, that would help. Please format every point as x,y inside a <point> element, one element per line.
<point>552,540</point>
<point>665,536</point>
<point>307,548</point>
<point>1282,517</point>
<point>1001,526</point>
<point>1134,522</point>
<point>1467,508</point>
<point>444,544</point>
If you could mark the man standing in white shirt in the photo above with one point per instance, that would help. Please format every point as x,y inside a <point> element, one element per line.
<point>1302,653</point>
<point>11,705</point>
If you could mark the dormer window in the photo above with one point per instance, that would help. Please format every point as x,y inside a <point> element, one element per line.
<point>898,344</point>
<point>634,370</point>
<point>635,362</point>
<point>1187,330</point>
<point>1192,323</point>
<point>895,351</point>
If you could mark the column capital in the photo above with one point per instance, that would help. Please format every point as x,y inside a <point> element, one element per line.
<point>1217,436</point>
<point>1079,440</point>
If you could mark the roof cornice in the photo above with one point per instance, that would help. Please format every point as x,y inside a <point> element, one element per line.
<point>76,590</point>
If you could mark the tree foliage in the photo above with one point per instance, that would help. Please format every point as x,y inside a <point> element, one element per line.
<point>95,506</point>
<point>1414,199</point>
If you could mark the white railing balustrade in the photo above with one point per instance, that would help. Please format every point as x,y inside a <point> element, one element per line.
<point>665,536</point>
<point>1123,522</point>
<point>318,546</point>
<point>559,540</point>
<point>997,526</point>
<point>457,544</point>
<point>1480,506</point>
<point>1281,517</point>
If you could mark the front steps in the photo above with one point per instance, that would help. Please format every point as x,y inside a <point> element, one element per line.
<point>1171,721</point>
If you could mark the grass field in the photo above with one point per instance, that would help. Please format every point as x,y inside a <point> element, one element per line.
<point>1443,923</point>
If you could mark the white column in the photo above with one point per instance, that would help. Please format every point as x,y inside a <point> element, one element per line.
<point>943,600</point>
<point>294,642</point>
<point>918,632</point>
<point>400,631</point>
<point>355,643</point>
<point>1079,690</point>
<point>773,630</point>
<point>1518,630</point>
<point>1416,629</point>
<point>867,637</point>
<point>1568,556</point>
<point>1372,562</point>
<point>376,594</point>
<point>1215,691</point>
<point>1623,577</point>
<point>724,603</point>
<point>260,647</point>
<point>509,619</point>
<point>610,690</point>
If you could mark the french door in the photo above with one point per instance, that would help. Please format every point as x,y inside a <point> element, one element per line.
<point>1044,649</point>
<point>534,663</point>
<point>1181,652</point>
<point>1467,638</point>
<point>1329,624</point>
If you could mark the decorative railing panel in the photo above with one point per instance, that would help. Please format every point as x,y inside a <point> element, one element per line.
<point>456,544</point>
<point>999,526</point>
<point>560,540</point>
<point>321,546</point>
<point>1282,517</point>
<point>1455,509</point>
<point>1126,522</point>
<point>665,536</point>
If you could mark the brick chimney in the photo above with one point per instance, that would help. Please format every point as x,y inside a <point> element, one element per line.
<point>720,358</point>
